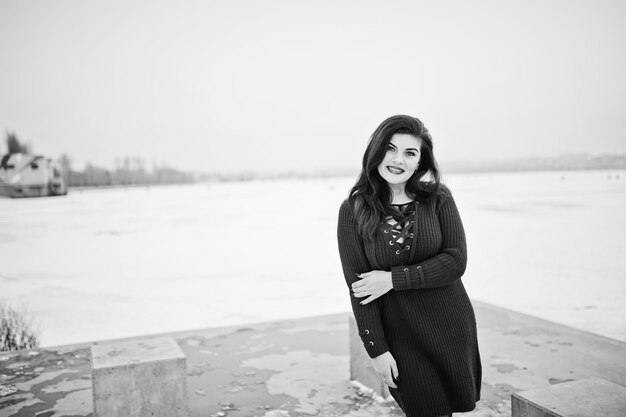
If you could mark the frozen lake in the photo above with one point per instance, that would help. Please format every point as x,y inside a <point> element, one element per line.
<point>101,264</point>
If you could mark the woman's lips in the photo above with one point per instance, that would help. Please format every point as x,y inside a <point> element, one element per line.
<point>395,170</point>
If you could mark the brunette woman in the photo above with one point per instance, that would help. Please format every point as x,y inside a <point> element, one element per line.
<point>403,252</point>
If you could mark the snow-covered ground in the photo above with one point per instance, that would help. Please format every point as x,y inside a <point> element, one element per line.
<point>101,264</point>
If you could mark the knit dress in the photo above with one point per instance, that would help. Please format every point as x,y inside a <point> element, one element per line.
<point>426,321</point>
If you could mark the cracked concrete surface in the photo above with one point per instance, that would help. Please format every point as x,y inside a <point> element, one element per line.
<point>299,368</point>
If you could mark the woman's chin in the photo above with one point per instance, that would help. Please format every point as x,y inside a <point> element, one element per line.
<point>396,181</point>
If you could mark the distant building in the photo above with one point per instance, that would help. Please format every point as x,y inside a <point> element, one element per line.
<point>25,175</point>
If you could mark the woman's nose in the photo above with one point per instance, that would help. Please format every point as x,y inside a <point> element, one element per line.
<point>396,159</point>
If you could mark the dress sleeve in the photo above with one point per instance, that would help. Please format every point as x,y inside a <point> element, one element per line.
<point>445,267</point>
<point>354,261</point>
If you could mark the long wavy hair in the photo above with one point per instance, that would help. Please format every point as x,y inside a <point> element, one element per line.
<point>371,195</point>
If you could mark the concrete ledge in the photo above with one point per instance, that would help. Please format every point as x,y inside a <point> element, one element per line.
<point>283,367</point>
<point>145,377</point>
<point>592,397</point>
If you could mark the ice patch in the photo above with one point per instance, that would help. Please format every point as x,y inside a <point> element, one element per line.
<point>77,403</point>
<point>305,375</point>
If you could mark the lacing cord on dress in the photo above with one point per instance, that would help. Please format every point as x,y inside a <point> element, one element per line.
<point>400,236</point>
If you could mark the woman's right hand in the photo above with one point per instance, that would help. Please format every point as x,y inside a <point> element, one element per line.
<point>386,368</point>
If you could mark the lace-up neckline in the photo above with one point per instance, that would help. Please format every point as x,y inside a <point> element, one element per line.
<point>400,232</point>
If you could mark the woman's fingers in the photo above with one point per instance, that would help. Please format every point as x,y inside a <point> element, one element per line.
<point>389,379</point>
<point>394,370</point>
<point>391,373</point>
<point>383,366</point>
<point>368,300</point>
<point>362,288</point>
<point>359,289</point>
<point>358,284</point>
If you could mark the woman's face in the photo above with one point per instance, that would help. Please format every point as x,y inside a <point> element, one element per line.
<point>401,159</point>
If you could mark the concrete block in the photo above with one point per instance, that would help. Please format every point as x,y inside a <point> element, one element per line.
<point>361,366</point>
<point>592,397</point>
<point>138,378</point>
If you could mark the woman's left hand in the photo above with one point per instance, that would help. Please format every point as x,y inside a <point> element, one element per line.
<point>372,285</point>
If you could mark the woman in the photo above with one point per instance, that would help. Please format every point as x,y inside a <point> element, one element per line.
<point>402,249</point>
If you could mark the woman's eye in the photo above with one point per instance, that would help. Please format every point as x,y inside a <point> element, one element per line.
<point>390,148</point>
<point>411,153</point>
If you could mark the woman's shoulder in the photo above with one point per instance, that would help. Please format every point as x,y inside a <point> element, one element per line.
<point>444,198</point>
<point>433,193</point>
<point>444,192</point>
<point>346,210</point>
<point>346,217</point>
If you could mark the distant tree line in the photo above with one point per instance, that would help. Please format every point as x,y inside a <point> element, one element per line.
<point>15,146</point>
<point>579,161</point>
<point>127,171</point>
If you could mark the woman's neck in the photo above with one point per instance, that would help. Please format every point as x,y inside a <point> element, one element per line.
<point>398,194</point>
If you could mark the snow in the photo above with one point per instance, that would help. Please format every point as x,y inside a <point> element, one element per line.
<point>111,263</point>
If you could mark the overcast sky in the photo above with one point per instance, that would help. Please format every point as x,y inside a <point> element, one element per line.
<point>273,85</point>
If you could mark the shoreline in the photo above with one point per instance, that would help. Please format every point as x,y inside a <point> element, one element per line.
<point>254,177</point>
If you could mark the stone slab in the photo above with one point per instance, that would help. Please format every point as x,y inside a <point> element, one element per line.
<point>145,377</point>
<point>131,352</point>
<point>591,397</point>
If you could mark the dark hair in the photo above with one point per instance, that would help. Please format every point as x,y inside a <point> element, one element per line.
<point>371,195</point>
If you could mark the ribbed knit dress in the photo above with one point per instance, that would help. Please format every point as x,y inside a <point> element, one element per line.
<point>426,321</point>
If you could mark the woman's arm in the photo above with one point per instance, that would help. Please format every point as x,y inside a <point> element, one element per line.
<point>353,262</point>
<point>443,268</point>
